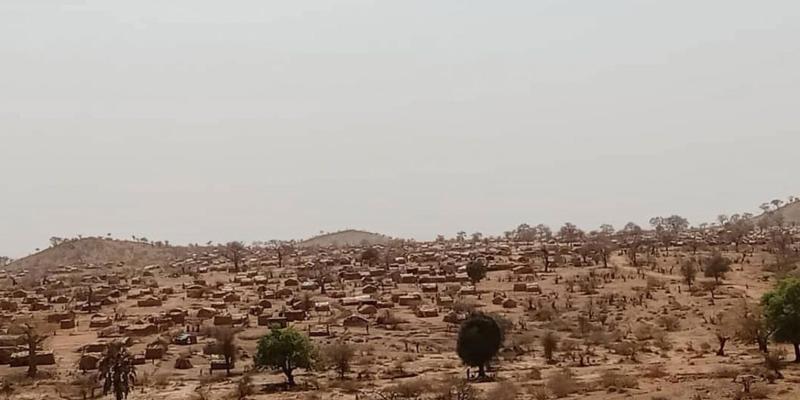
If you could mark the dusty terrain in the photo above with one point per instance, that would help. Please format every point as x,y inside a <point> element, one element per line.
<point>624,331</point>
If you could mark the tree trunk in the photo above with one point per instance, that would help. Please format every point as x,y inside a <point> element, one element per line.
<point>32,361</point>
<point>762,345</point>
<point>482,371</point>
<point>721,351</point>
<point>797,353</point>
<point>290,378</point>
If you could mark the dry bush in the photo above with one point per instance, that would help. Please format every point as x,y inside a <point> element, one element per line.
<point>339,356</point>
<point>503,391</point>
<point>539,393</point>
<point>244,387</point>
<point>670,322</point>
<point>348,386</point>
<point>726,372</point>
<point>614,379</point>
<point>534,374</point>
<point>655,371</point>
<point>161,380</point>
<point>549,345</point>
<point>562,383</point>
<point>455,389</point>
<point>643,332</point>
<point>410,389</point>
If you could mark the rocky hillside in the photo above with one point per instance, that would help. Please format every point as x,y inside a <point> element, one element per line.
<point>99,251</point>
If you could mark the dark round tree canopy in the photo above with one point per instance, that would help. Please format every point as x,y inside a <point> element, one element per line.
<point>478,340</point>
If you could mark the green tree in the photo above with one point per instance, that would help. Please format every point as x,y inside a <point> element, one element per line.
<point>716,267</point>
<point>285,350</point>
<point>117,371</point>
<point>479,340</point>
<point>782,311</point>
<point>476,270</point>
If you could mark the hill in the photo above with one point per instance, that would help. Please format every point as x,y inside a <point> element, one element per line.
<point>350,237</point>
<point>790,213</point>
<point>100,251</point>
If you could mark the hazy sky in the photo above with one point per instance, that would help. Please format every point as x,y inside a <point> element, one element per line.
<point>252,120</point>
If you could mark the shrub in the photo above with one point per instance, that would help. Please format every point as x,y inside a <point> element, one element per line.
<point>611,378</point>
<point>539,393</point>
<point>562,383</point>
<point>503,391</point>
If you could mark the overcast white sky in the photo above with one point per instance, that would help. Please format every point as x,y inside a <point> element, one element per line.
<point>251,120</point>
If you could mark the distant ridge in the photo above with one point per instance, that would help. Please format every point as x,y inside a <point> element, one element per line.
<point>790,213</point>
<point>99,251</point>
<point>349,237</point>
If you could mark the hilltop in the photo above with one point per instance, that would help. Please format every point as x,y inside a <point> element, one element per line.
<point>100,251</point>
<point>350,237</point>
<point>790,213</point>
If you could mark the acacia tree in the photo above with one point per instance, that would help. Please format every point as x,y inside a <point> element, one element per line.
<point>225,339</point>
<point>716,267</point>
<point>339,355</point>
<point>117,371</point>
<point>285,350</point>
<point>752,326</point>
<point>281,249</point>
<point>479,340</point>
<point>476,270</point>
<point>633,236</point>
<point>689,271</point>
<point>782,311</point>
<point>234,251</point>
<point>33,338</point>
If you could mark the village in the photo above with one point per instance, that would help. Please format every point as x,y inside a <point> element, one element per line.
<point>664,312</point>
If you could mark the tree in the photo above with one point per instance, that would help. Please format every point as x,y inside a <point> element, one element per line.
<point>339,355</point>
<point>117,370</point>
<point>370,256</point>
<point>226,345</point>
<point>633,237</point>
<point>689,271</point>
<point>234,251</point>
<point>476,237</point>
<point>716,267</point>
<point>461,236</point>
<point>476,270</point>
<point>479,340</point>
<point>285,350</point>
<point>668,228</point>
<point>600,243</point>
<point>281,249</point>
<point>570,233</point>
<point>549,345</point>
<point>752,326</point>
<point>33,338</point>
<point>782,312</point>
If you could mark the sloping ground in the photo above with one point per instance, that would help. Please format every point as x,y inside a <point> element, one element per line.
<point>790,212</point>
<point>100,251</point>
<point>349,237</point>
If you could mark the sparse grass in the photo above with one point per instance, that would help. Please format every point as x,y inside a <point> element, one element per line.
<point>562,383</point>
<point>614,379</point>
